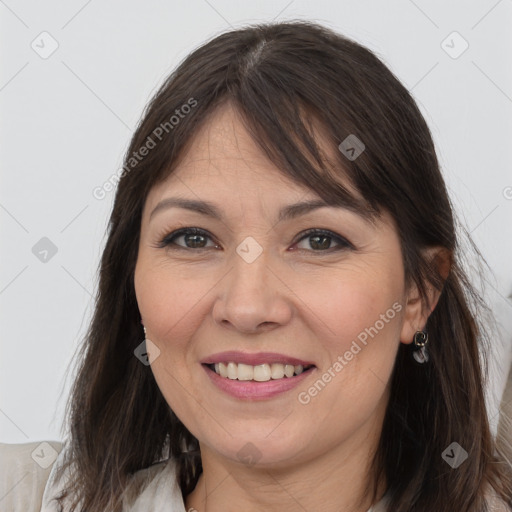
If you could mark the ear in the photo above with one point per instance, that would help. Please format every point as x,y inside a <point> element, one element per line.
<point>416,310</point>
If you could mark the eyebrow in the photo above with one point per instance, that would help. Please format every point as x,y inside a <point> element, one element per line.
<point>207,208</point>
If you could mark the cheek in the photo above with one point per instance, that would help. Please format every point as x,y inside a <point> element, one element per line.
<point>352,301</point>
<point>168,302</point>
<point>357,318</point>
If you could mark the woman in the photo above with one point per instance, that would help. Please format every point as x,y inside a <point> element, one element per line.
<point>283,238</point>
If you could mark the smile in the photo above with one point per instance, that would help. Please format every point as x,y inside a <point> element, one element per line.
<point>240,380</point>
<point>259,373</point>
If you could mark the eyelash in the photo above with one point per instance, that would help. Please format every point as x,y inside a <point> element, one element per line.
<point>168,240</point>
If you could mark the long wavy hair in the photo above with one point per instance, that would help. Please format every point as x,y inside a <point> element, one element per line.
<point>286,79</point>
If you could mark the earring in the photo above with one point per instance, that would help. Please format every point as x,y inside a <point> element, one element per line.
<point>419,348</point>
<point>150,351</point>
<point>146,337</point>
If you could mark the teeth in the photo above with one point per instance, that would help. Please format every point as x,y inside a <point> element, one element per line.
<point>259,373</point>
<point>277,371</point>
<point>232,371</point>
<point>288,370</point>
<point>246,372</point>
<point>262,372</point>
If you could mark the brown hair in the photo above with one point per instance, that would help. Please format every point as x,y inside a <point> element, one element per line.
<point>284,78</point>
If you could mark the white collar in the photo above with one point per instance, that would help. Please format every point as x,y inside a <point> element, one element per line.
<point>161,494</point>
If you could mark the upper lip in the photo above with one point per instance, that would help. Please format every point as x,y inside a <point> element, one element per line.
<point>253,359</point>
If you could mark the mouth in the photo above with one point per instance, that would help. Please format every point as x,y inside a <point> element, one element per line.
<point>258,373</point>
<point>256,376</point>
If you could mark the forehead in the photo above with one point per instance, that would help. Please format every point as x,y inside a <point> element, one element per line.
<point>223,135</point>
<point>223,155</point>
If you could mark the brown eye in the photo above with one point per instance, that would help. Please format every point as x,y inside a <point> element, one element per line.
<point>193,238</point>
<point>320,240</point>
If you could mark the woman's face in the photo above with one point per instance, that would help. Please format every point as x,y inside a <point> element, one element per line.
<point>251,283</point>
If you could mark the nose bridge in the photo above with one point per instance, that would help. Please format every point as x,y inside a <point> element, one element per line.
<point>249,272</point>
<point>251,295</point>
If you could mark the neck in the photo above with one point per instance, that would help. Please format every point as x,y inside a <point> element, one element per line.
<point>337,479</point>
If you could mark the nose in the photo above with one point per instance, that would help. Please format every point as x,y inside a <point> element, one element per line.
<point>252,297</point>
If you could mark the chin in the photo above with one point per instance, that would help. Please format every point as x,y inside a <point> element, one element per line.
<point>261,451</point>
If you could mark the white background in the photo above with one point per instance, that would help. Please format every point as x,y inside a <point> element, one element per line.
<point>66,121</point>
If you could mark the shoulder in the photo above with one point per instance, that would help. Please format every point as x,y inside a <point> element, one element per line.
<point>27,482</point>
<point>495,503</point>
<point>155,488</point>
<point>24,472</point>
<point>152,488</point>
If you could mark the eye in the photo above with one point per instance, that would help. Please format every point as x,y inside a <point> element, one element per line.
<point>320,240</point>
<point>194,238</point>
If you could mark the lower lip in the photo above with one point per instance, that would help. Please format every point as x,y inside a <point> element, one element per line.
<point>253,390</point>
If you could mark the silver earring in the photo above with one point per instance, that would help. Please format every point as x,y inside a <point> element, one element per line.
<point>420,352</point>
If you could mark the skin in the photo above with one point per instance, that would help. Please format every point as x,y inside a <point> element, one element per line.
<point>296,299</point>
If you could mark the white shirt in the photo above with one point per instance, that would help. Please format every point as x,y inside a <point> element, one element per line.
<point>27,487</point>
